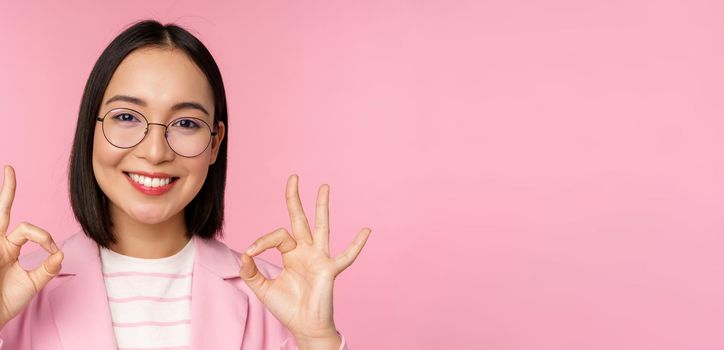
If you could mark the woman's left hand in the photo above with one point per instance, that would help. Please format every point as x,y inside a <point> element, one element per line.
<point>301,295</point>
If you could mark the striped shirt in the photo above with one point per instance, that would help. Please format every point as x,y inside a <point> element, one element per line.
<point>150,299</point>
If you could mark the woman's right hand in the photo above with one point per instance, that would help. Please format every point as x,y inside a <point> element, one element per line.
<point>17,286</point>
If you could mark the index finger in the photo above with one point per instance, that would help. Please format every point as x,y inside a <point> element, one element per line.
<point>6,197</point>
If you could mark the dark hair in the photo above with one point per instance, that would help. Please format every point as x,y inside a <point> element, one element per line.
<point>204,215</point>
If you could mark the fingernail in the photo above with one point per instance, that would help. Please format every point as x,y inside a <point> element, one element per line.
<point>250,249</point>
<point>53,247</point>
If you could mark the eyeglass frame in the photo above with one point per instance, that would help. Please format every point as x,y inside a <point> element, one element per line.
<point>165,130</point>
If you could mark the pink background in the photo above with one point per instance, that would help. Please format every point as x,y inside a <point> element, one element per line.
<point>537,175</point>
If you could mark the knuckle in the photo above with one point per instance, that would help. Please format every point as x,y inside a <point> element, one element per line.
<point>255,278</point>
<point>13,243</point>
<point>46,239</point>
<point>279,237</point>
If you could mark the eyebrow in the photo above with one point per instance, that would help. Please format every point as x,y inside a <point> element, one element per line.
<point>140,102</point>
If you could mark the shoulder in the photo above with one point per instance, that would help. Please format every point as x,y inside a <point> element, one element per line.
<point>79,249</point>
<point>226,261</point>
<point>35,257</point>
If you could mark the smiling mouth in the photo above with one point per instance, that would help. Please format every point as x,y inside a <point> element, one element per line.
<point>150,182</point>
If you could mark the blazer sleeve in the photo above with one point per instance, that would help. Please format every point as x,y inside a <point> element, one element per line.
<point>290,344</point>
<point>10,327</point>
<point>15,334</point>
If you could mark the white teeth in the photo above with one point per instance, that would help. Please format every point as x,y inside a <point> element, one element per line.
<point>149,181</point>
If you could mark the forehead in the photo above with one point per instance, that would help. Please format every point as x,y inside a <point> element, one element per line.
<point>162,77</point>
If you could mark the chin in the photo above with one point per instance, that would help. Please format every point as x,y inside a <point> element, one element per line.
<point>149,217</point>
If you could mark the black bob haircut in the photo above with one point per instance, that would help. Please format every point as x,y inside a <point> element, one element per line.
<point>204,215</point>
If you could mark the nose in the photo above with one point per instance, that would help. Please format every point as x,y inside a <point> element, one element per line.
<point>154,146</point>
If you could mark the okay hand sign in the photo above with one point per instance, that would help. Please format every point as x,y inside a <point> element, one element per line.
<point>301,295</point>
<point>17,286</point>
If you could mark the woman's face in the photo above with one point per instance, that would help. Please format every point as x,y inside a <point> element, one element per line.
<point>158,79</point>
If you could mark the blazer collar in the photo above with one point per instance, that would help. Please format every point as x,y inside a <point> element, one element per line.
<point>79,250</point>
<point>82,314</point>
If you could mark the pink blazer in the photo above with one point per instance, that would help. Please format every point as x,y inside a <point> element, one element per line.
<point>72,311</point>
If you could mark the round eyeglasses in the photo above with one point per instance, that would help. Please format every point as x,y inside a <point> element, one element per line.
<point>126,128</point>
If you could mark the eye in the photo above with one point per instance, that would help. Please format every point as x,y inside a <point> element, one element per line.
<point>124,117</point>
<point>187,124</point>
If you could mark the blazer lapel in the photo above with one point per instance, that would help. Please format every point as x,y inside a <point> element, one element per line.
<point>218,308</point>
<point>82,315</point>
<point>79,303</point>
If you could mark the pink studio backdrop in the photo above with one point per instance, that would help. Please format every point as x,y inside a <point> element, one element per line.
<point>537,175</point>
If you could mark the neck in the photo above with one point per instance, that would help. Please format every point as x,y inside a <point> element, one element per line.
<point>148,241</point>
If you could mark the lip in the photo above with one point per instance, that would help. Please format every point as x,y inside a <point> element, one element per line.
<point>151,191</point>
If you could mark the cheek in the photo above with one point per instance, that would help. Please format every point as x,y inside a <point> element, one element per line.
<point>105,156</point>
<point>197,174</point>
<point>200,171</point>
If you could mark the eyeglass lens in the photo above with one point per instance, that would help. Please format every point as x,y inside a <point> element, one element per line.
<point>126,128</point>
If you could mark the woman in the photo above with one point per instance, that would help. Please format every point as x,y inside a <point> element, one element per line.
<point>147,178</point>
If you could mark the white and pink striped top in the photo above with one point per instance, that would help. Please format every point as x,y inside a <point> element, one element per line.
<point>150,299</point>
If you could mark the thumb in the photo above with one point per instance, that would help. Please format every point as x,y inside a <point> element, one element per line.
<point>50,268</point>
<point>251,275</point>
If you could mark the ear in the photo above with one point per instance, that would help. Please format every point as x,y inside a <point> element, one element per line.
<point>216,141</point>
